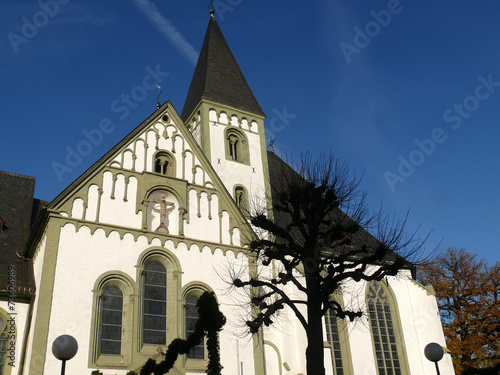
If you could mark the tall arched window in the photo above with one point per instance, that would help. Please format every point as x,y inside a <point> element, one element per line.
<point>338,339</point>
<point>164,163</point>
<point>113,312</point>
<point>386,333</point>
<point>333,337</point>
<point>195,359</point>
<point>236,146</point>
<point>198,352</point>
<point>111,321</point>
<point>154,330</point>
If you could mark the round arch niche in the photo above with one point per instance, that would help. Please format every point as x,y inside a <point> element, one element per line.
<point>163,212</point>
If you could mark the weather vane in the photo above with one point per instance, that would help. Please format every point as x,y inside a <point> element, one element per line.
<point>271,143</point>
<point>158,105</point>
<point>211,7</point>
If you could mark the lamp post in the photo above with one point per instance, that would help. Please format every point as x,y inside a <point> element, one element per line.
<point>434,352</point>
<point>64,348</point>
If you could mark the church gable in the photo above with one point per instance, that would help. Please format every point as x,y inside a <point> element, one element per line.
<point>162,148</point>
<point>156,180</point>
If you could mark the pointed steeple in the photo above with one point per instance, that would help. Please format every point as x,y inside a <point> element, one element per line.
<point>218,78</point>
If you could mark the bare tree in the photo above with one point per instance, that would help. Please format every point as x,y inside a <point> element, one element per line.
<point>319,234</point>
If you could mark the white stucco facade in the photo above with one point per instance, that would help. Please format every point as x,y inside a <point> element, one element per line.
<point>77,272</point>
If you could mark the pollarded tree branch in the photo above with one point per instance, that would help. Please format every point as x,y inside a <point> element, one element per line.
<point>339,311</point>
<point>261,221</point>
<point>284,298</point>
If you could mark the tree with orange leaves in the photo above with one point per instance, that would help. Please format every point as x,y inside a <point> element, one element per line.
<point>468,293</point>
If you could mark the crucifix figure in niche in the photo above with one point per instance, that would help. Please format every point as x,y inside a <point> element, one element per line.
<point>163,213</point>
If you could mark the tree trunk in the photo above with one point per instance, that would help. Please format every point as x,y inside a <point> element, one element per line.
<point>315,355</point>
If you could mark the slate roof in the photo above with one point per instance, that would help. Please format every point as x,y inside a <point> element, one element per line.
<point>18,210</point>
<point>217,77</point>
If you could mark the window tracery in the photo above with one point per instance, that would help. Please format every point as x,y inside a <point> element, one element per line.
<point>384,330</point>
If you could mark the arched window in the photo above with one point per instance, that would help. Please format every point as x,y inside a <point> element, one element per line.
<point>159,275</point>
<point>338,339</point>
<point>333,337</point>
<point>154,330</point>
<point>164,163</point>
<point>195,359</point>
<point>7,328</point>
<point>241,198</point>
<point>385,329</point>
<point>113,311</point>
<point>198,352</point>
<point>111,321</point>
<point>236,146</point>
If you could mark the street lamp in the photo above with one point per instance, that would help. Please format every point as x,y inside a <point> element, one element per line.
<point>434,352</point>
<point>64,348</point>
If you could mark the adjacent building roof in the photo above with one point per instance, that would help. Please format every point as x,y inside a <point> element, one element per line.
<point>217,77</point>
<point>17,210</point>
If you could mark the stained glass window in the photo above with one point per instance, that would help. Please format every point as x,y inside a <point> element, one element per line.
<point>111,320</point>
<point>155,304</point>
<point>333,337</point>
<point>198,352</point>
<point>382,326</point>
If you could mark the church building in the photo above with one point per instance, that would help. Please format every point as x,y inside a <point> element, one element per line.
<point>119,258</point>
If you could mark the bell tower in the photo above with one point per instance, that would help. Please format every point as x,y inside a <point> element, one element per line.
<point>227,121</point>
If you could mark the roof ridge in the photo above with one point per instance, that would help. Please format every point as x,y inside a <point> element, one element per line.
<point>17,175</point>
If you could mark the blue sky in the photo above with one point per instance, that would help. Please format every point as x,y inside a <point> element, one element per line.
<point>406,91</point>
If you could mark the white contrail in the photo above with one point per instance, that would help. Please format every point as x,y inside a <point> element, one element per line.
<point>167,29</point>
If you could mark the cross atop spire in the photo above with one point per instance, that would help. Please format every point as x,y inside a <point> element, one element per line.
<point>211,6</point>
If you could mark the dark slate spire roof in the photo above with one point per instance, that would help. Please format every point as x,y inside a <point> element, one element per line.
<point>217,77</point>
